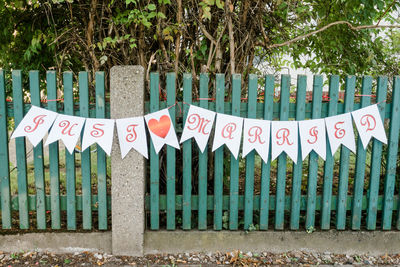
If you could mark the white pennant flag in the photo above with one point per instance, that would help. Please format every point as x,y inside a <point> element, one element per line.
<point>313,137</point>
<point>369,124</point>
<point>100,131</point>
<point>340,132</point>
<point>35,124</point>
<point>199,122</point>
<point>284,138</point>
<point>256,135</point>
<point>68,129</point>
<point>228,131</point>
<point>161,129</point>
<point>132,134</point>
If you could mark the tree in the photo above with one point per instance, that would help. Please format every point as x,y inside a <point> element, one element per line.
<point>341,37</point>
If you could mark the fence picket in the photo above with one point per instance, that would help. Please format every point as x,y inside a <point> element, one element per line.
<point>18,100</point>
<point>85,155</point>
<point>101,155</point>
<point>360,162</point>
<point>250,158</point>
<point>298,167</point>
<point>4,157</point>
<point>282,159</point>
<point>38,157</point>
<point>54,155</point>
<point>376,158</point>
<point>154,158</point>
<point>219,156</point>
<point>70,158</point>
<point>330,160</point>
<point>202,213</point>
<point>313,156</point>
<point>345,160</point>
<point>187,157</point>
<point>266,166</point>
<point>391,160</point>
<point>171,153</point>
<point>234,176</point>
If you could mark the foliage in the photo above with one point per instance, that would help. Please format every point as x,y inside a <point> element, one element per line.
<point>203,35</point>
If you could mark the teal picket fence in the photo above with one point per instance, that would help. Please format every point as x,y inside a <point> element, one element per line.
<point>55,191</point>
<point>187,189</point>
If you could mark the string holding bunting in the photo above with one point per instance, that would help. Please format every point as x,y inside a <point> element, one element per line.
<point>262,136</point>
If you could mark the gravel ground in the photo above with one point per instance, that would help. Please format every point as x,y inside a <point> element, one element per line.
<point>231,258</point>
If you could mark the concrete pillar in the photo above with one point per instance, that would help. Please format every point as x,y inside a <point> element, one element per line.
<point>128,175</point>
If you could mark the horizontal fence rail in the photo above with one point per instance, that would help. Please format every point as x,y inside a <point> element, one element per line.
<point>188,189</point>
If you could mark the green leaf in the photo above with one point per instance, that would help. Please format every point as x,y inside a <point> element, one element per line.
<point>151,7</point>
<point>220,4</point>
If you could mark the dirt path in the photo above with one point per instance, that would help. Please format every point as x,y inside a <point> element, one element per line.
<point>236,258</point>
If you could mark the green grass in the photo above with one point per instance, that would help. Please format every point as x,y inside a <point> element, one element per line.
<point>31,175</point>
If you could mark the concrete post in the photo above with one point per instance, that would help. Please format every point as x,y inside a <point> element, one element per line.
<point>128,175</point>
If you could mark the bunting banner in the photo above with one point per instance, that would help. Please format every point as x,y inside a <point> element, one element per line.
<point>268,138</point>
<point>98,131</point>
<point>256,135</point>
<point>132,134</point>
<point>284,138</point>
<point>67,129</point>
<point>312,137</point>
<point>35,124</point>
<point>161,129</point>
<point>369,124</point>
<point>198,125</point>
<point>340,132</point>
<point>228,131</point>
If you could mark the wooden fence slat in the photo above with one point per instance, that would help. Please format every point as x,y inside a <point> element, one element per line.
<point>361,158</point>
<point>101,155</point>
<point>203,167</point>
<point>376,158</point>
<point>4,157</point>
<point>282,159</point>
<point>298,167</point>
<point>171,153</point>
<point>38,157</point>
<point>330,160</point>
<point>391,160</point>
<point>266,166</point>
<point>219,157</point>
<point>85,155</point>
<point>154,158</point>
<point>187,157</point>
<point>70,158</point>
<point>18,99</point>
<point>345,160</point>
<point>234,176</point>
<point>53,155</point>
<point>250,158</point>
<point>313,156</point>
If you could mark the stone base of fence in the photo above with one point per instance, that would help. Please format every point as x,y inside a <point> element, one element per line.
<point>338,242</point>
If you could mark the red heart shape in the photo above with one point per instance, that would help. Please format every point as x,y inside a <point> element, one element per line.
<point>161,127</point>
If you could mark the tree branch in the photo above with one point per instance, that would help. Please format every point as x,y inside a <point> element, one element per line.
<point>354,28</point>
